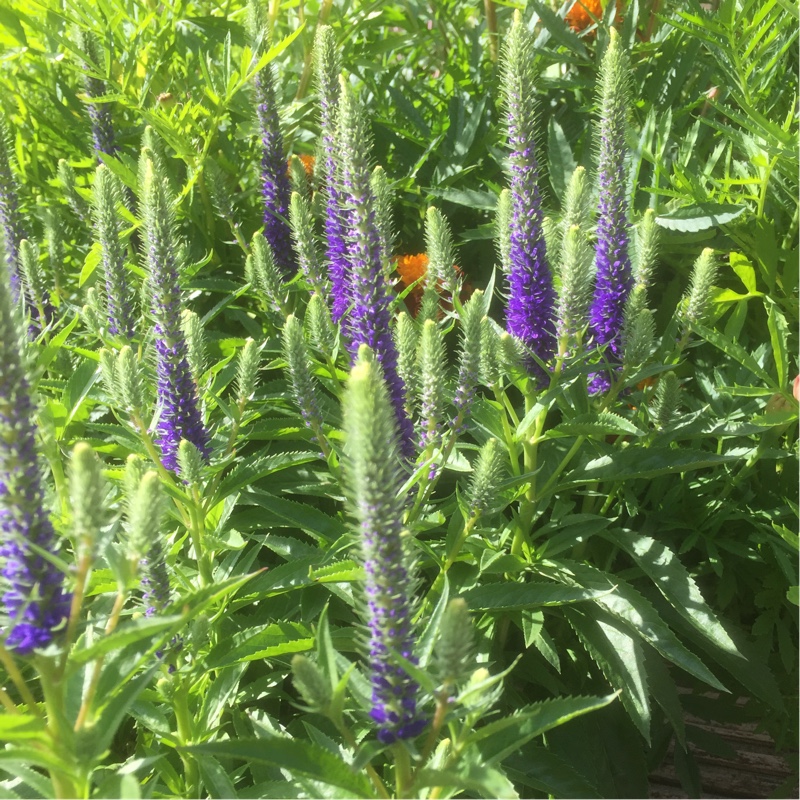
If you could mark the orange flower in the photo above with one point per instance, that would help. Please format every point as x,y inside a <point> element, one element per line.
<point>410,269</point>
<point>308,164</point>
<point>584,12</point>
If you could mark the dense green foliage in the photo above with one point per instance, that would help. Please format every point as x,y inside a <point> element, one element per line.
<point>610,547</point>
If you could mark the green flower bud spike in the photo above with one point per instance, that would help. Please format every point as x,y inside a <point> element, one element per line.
<point>455,650</point>
<point>190,463</point>
<point>309,259</point>
<point>319,325</point>
<point>311,684</point>
<point>130,386</point>
<point>248,363</point>
<point>384,198</point>
<point>406,337</point>
<point>266,275</point>
<point>195,342</point>
<point>69,182</point>
<point>667,402</point>
<point>431,366</point>
<point>577,271</point>
<point>696,305</point>
<point>145,510</point>
<point>441,276</point>
<point>502,222</point>
<point>646,253</point>
<point>87,496</point>
<point>303,383</point>
<point>638,339</point>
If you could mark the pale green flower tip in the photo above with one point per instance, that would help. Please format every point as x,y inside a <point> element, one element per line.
<point>247,367</point>
<point>128,374</point>
<point>190,463</point>
<point>144,514</point>
<point>87,493</point>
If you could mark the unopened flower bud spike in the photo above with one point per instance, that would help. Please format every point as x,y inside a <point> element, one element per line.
<point>308,256</point>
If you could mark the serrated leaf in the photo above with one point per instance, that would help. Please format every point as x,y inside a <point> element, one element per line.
<point>601,424</point>
<point>662,566</point>
<point>621,660</point>
<point>427,641</point>
<point>736,352</point>
<point>255,644</point>
<point>248,472</point>
<point>700,217</point>
<point>287,513</point>
<point>665,693</point>
<point>505,736</point>
<point>548,773</point>
<point>628,605</point>
<point>506,596</point>
<point>296,756</point>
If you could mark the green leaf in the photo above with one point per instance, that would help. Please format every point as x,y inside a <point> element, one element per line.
<point>132,631</point>
<point>90,263</point>
<point>427,642</point>
<point>215,778</point>
<point>114,712</point>
<point>543,770</point>
<point>621,660</point>
<point>471,776</point>
<point>248,472</point>
<point>638,463</point>
<point>662,566</point>
<point>665,693</point>
<point>779,335</point>
<point>736,352</point>
<point>471,198</point>
<point>506,596</point>
<point>700,217</point>
<point>602,423</point>
<point>287,513</point>
<point>262,642</point>
<point>742,266</point>
<point>14,727</point>
<point>505,736</point>
<point>293,755</point>
<point>562,162</point>
<point>626,604</point>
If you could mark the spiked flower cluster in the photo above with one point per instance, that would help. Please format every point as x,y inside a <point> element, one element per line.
<point>370,313</point>
<point>374,481</point>
<point>107,197</point>
<point>36,603</point>
<point>99,113</point>
<point>10,218</point>
<point>531,297</point>
<point>177,395</point>
<point>327,78</point>
<point>614,280</point>
<point>275,185</point>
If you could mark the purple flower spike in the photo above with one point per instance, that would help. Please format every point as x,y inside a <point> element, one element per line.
<point>179,416</point>
<point>374,482</point>
<point>531,297</point>
<point>614,279</point>
<point>327,71</point>
<point>36,605</point>
<point>368,321</point>
<point>275,184</point>
<point>103,138</point>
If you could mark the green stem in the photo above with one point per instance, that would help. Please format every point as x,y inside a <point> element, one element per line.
<point>197,532</point>
<point>186,737</point>
<point>402,769</point>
